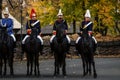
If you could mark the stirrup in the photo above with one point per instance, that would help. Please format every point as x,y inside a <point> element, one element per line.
<point>14,51</point>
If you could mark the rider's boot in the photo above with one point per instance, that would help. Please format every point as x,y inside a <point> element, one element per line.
<point>23,48</point>
<point>14,47</point>
<point>41,51</point>
<point>68,48</point>
<point>51,45</point>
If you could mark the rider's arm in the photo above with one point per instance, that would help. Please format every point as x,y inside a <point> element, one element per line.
<point>10,27</point>
<point>90,29</point>
<point>66,26</point>
<point>28,27</point>
<point>54,29</point>
<point>39,27</point>
<point>81,27</point>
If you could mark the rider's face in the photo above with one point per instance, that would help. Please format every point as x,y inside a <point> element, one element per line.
<point>6,15</point>
<point>34,17</point>
<point>60,17</point>
<point>87,19</point>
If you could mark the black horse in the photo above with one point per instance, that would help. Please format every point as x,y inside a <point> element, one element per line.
<point>6,51</point>
<point>60,45</point>
<point>86,48</point>
<point>32,49</point>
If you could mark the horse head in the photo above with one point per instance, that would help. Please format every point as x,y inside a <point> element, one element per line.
<point>34,33</point>
<point>85,38</point>
<point>60,33</point>
<point>3,33</point>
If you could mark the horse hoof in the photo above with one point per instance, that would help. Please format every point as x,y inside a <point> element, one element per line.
<point>11,74</point>
<point>30,74</point>
<point>84,74</point>
<point>4,74</point>
<point>95,75</point>
<point>65,76</point>
<point>27,74</point>
<point>89,74</point>
<point>35,74</point>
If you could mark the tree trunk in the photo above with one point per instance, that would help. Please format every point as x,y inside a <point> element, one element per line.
<point>116,26</point>
<point>0,9</point>
<point>74,25</point>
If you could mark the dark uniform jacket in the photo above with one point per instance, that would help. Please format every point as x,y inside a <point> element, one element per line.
<point>29,25</point>
<point>84,23</point>
<point>60,22</point>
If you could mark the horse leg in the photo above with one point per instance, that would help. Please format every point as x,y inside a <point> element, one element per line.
<point>94,70</point>
<point>89,68</point>
<point>83,64</point>
<point>55,69</point>
<point>28,63</point>
<point>1,64</point>
<point>11,65</point>
<point>5,61</point>
<point>37,64</point>
<point>31,66</point>
<point>64,67</point>
<point>87,64</point>
<point>56,72</point>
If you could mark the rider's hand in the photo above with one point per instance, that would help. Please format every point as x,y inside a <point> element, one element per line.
<point>54,32</point>
<point>81,32</point>
<point>28,31</point>
<point>32,25</point>
<point>40,34</point>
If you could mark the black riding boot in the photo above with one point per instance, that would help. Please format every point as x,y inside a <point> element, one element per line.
<point>51,45</point>
<point>14,47</point>
<point>41,50</point>
<point>95,46</point>
<point>76,46</point>
<point>22,52</point>
<point>23,49</point>
<point>68,48</point>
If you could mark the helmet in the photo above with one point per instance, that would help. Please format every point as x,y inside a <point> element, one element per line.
<point>33,13</point>
<point>60,13</point>
<point>6,11</point>
<point>87,14</point>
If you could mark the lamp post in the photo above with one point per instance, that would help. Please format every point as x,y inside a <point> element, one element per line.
<point>21,2</point>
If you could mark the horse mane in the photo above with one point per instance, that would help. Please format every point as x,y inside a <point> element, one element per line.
<point>86,42</point>
<point>60,32</point>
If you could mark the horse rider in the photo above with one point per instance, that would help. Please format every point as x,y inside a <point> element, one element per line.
<point>33,22</point>
<point>59,20</point>
<point>8,23</point>
<point>88,24</point>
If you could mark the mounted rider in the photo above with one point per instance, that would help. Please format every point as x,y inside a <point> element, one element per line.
<point>59,21</point>
<point>88,24</point>
<point>32,23</point>
<point>8,23</point>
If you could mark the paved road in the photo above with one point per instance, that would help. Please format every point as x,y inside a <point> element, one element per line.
<point>107,69</point>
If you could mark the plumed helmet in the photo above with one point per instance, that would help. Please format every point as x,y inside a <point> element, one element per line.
<point>87,14</point>
<point>6,11</point>
<point>33,13</point>
<point>60,13</point>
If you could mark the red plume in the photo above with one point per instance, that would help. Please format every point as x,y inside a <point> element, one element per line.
<point>32,12</point>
